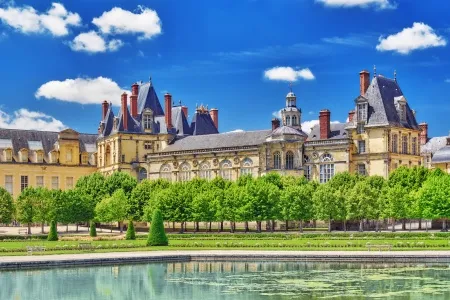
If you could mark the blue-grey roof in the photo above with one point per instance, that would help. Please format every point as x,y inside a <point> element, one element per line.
<point>203,124</point>
<point>433,145</point>
<point>147,98</point>
<point>337,131</point>
<point>442,155</point>
<point>179,121</point>
<point>133,125</point>
<point>287,130</point>
<point>108,121</point>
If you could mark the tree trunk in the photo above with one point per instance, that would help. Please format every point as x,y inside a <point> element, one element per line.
<point>426,225</point>
<point>410,222</point>
<point>444,225</point>
<point>258,226</point>
<point>67,227</point>
<point>77,227</point>
<point>345,225</point>
<point>272,226</point>
<point>29,228</point>
<point>231,227</point>
<point>246,226</point>
<point>209,230</point>
<point>393,225</point>
<point>221,226</point>
<point>182,227</point>
<point>361,226</point>
<point>377,225</point>
<point>173,226</point>
<point>420,224</point>
<point>300,225</point>
<point>329,225</point>
<point>120,227</point>
<point>315,224</point>
<point>111,227</point>
<point>286,223</point>
<point>42,227</point>
<point>196,227</point>
<point>403,224</point>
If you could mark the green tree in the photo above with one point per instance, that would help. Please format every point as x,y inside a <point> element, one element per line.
<point>326,206</point>
<point>6,207</point>
<point>43,206</point>
<point>142,194</point>
<point>397,199</point>
<point>103,212</point>
<point>76,207</point>
<point>120,180</point>
<point>114,208</point>
<point>26,207</point>
<point>53,233</point>
<point>203,207</point>
<point>378,184</point>
<point>361,203</point>
<point>263,199</point>
<point>131,233</point>
<point>296,202</point>
<point>157,235</point>
<point>93,185</point>
<point>435,198</point>
<point>92,229</point>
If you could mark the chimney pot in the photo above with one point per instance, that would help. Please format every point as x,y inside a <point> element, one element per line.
<point>324,124</point>
<point>185,111</point>
<point>125,111</point>
<point>105,107</point>
<point>364,82</point>
<point>168,108</point>
<point>423,133</point>
<point>214,113</point>
<point>133,100</point>
<point>275,123</point>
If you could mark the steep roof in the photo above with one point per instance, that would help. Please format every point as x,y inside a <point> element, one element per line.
<point>337,131</point>
<point>442,155</point>
<point>220,140</point>
<point>382,95</point>
<point>132,124</point>
<point>179,121</point>
<point>287,130</point>
<point>108,121</point>
<point>147,98</point>
<point>203,124</point>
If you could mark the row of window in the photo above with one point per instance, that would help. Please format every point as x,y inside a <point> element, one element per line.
<point>291,121</point>
<point>404,145</point>
<point>39,156</point>
<point>289,160</point>
<point>24,182</point>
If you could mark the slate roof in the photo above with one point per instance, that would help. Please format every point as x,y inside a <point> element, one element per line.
<point>433,145</point>
<point>108,121</point>
<point>179,121</point>
<point>20,139</point>
<point>147,98</point>
<point>381,96</point>
<point>132,126</point>
<point>287,130</point>
<point>202,124</point>
<point>221,140</point>
<point>442,155</point>
<point>337,131</point>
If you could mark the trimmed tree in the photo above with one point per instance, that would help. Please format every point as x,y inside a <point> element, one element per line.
<point>92,230</point>
<point>6,207</point>
<point>131,234</point>
<point>53,233</point>
<point>157,235</point>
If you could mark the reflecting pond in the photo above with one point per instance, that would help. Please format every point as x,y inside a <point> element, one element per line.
<point>231,280</point>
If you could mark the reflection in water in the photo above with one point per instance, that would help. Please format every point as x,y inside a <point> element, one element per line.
<point>231,280</point>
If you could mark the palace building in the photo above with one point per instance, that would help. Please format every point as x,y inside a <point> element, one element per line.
<point>380,135</point>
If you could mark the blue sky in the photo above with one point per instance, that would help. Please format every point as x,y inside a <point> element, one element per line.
<point>61,59</point>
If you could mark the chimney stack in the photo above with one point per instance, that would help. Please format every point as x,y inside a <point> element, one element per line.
<point>351,115</point>
<point>133,100</point>
<point>214,113</point>
<point>105,107</point>
<point>324,124</point>
<point>275,123</point>
<point>364,81</point>
<point>423,133</point>
<point>124,111</point>
<point>168,108</point>
<point>185,111</point>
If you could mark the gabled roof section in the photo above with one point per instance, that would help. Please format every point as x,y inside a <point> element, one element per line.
<point>133,125</point>
<point>179,121</point>
<point>147,98</point>
<point>382,94</point>
<point>108,121</point>
<point>203,124</point>
<point>337,132</point>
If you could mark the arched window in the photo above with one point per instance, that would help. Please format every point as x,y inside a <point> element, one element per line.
<point>277,160</point>
<point>246,167</point>
<point>289,160</point>
<point>205,171</point>
<point>185,172</point>
<point>165,172</point>
<point>225,169</point>
<point>288,120</point>
<point>142,174</point>
<point>294,120</point>
<point>326,168</point>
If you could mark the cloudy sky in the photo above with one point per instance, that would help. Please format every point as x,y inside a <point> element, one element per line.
<point>61,59</point>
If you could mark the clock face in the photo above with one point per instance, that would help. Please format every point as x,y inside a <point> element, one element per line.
<point>315,155</point>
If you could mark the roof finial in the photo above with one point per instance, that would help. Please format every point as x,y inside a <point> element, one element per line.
<point>290,86</point>
<point>395,75</point>
<point>374,71</point>
<point>150,79</point>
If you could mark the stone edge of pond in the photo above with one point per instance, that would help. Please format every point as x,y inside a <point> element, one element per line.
<point>34,262</point>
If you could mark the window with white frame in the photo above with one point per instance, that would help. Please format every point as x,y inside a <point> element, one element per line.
<point>289,160</point>
<point>361,147</point>
<point>288,121</point>
<point>39,156</point>
<point>362,169</point>
<point>246,168</point>
<point>414,146</point>
<point>395,143</point>
<point>165,172</point>
<point>308,172</point>
<point>185,172</point>
<point>39,181</point>
<point>294,120</point>
<point>148,120</point>
<point>225,169</point>
<point>69,183</point>
<point>55,182</point>
<point>23,182</point>
<point>8,155</point>
<point>404,144</point>
<point>326,168</point>
<point>362,112</point>
<point>360,128</point>
<point>205,171</point>
<point>9,184</point>
<point>277,160</point>
<point>23,155</point>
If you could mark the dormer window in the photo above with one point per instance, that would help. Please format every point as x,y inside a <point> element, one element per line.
<point>39,157</point>
<point>84,159</point>
<point>7,154</point>
<point>147,120</point>
<point>53,156</point>
<point>23,155</point>
<point>400,105</point>
<point>362,112</point>
<point>69,155</point>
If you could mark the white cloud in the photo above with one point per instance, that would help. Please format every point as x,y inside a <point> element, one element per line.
<point>379,4</point>
<point>25,119</point>
<point>91,42</point>
<point>277,114</point>
<point>288,74</point>
<point>308,125</point>
<point>145,23</point>
<point>26,19</point>
<point>447,80</point>
<point>236,130</point>
<point>82,90</point>
<point>419,36</point>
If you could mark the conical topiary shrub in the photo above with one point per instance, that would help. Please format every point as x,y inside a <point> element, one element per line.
<point>53,234</point>
<point>131,234</point>
<point>92,230</point>
<point>157,235</point>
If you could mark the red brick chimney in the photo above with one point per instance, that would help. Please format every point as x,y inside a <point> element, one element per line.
<point>423,133</point>
<point>351,114</point>
<point>214,113</point>
<point>133,100</point>
<point>275,123</point>
<point>168,108</point>
<point>364,81</point>
<point>105,107</point>
<point>324,124</point>
<point>185,111</point>
<point>124,111</point>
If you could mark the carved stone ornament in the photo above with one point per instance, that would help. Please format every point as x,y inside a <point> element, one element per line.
<point>215,162</point>
<point>236,160</point>
<point>195,163</point>
<point>315,155</point>
<point>175,164</point>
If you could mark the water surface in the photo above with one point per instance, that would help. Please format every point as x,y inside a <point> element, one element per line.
<point>231,280</point>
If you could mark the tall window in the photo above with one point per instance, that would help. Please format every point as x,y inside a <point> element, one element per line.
<point>69,183</point>
<point>288,120</point>
<point>39,157</point>
<point>326,168</point>
<point>395,143</point>
<point>148,121</point>
<point>414,146</point>
<point>404,144</point>
<point>24,156</point>
<point>246,168</point>
<point>9,183</point>
<point>289,160</point>
<point>205,171</point>
<point>55,182</point>
<point>360,128</point>
<point>8,155</point>
<point>308,172</point>
<point>39,181</point>
<point>69,155</point>
<point>185,172</point>
<point>84,159</point>
<point>225,169</point>
<point>23,182</point>
<point>294,120</point>
<point>277,160</point>
<point>165,172</point>
<point>362,112</point>
<point>362,169</point>
<point>361,147</point>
